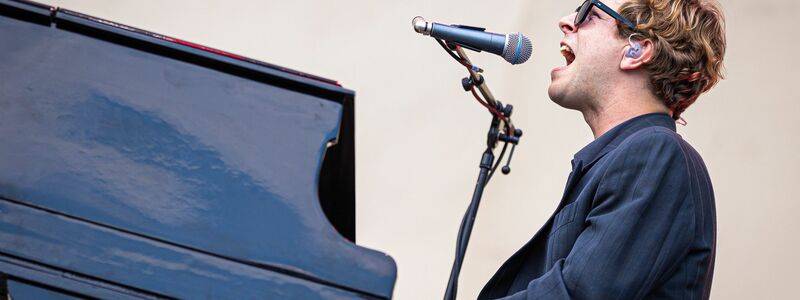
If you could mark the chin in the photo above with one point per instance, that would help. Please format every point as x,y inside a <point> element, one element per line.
<point>559,96</point>
<point>556,94</point>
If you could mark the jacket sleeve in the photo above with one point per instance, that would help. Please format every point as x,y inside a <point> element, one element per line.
<point>639,228</point>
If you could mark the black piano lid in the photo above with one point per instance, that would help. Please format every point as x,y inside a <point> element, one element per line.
<point>153,42</point>
<point>318,257</point>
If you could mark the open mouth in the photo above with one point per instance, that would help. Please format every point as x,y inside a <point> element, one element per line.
<point>566,51</point>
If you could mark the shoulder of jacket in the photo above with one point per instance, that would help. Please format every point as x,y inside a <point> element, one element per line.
<point>653,136</point>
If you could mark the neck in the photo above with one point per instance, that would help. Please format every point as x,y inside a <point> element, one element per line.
<point>616,109</point>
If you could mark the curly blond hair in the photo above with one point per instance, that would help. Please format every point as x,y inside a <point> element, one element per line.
<point>689,46</point>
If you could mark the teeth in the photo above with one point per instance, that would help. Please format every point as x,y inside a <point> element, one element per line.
<point>566,51</point>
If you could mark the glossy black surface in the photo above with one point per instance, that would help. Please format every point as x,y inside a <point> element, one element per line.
<point>166,175</point>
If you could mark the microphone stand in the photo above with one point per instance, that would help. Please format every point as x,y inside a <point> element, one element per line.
<point>500,129</point>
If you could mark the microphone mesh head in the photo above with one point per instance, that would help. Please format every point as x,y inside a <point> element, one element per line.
<point>518,48</point>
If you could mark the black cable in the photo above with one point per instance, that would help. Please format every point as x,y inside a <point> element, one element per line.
<point>461,231</point>
<point>463,236</point>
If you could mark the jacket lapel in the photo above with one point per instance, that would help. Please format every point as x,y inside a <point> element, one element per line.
<point>499,284</point>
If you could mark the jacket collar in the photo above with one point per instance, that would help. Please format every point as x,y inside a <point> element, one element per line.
<point>612,138</point>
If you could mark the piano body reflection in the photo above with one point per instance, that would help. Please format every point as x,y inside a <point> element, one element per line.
<point>136,165</point>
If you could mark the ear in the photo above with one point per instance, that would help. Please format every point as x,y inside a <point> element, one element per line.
<point>636,62</point>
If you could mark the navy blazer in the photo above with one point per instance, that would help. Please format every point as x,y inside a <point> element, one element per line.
<point>636,221</point>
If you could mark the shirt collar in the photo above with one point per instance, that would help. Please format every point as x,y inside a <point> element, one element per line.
<point>612,138</point>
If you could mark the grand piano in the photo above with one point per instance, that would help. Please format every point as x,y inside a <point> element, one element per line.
<point>137,165</point>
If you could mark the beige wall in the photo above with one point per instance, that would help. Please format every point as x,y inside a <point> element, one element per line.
<point>419,136</point>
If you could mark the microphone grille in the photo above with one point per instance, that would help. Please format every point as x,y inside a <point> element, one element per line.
<point>518,48</point>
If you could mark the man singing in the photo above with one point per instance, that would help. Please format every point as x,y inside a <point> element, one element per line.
<point>637,218</point>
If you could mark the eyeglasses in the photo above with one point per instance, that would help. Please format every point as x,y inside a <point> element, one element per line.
<point>586,7</point>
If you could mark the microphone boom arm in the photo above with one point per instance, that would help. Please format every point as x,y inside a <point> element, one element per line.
<point>480,83</point>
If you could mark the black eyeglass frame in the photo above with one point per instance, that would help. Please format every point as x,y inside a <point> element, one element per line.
<point>586,7</point>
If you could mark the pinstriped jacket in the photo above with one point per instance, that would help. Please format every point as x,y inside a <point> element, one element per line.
<point>636,221</point>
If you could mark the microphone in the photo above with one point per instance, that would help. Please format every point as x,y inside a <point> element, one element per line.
<point>515,48</point>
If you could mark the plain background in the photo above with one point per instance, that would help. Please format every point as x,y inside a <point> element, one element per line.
<point>419,136</point>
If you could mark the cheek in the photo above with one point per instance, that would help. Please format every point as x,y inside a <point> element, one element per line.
<point>600,45</point>
<point>599,56</point>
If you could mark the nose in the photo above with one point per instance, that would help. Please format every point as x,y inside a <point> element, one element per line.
<point>567,24</point>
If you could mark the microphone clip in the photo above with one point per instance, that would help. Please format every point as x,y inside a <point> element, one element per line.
<point>453,45</point>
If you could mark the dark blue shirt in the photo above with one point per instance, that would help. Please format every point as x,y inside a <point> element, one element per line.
<point>636,221</point>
